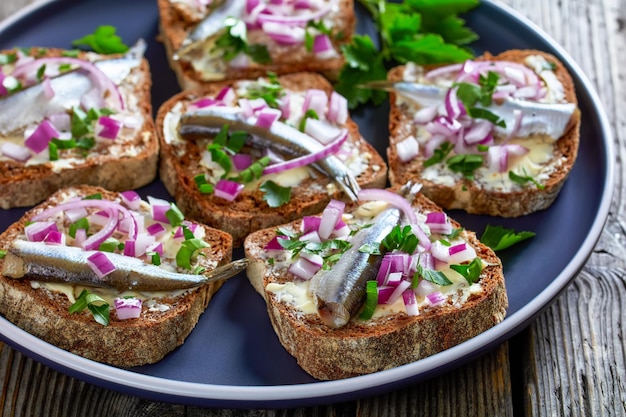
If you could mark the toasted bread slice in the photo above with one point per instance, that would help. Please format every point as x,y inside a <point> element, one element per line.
<point>167,317</point>
<point>541,172</point>
<point>394,335</point>
<point>178,19</point>
<point>182,160</point>
<point>125,161</point>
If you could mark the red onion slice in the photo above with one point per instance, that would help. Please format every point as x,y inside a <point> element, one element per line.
<point>100,264</point>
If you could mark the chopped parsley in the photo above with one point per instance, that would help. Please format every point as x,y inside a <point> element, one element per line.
<point>270,91</point>
<point>103,41</point>
<point>471,272</point>
<point>524,179</point>
<point>234,41</point>
<point>465,164</point>
<point>499,238</point>
<point>430,275</point>
<point>97,305</point>
<point>439,155</point>
<point>371,300</point>
<point>275,195</point>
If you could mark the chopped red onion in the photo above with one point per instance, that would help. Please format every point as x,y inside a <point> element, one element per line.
<point>226,95</point>
<point>323,131</point>
<point>107,127</point>
<point>407,149</point>
<point>228,190</point>
<point>316,100</point>
<point>337,108</point>
<point>314,258</point>
<point>38,141</point>
<point>48,91</point>
<point>284,34</point>
<point>302,268</point>
<point>100,264</point>
<point>384,292</point>
<point>425,115</point>
<point>15,151</point>
<point>266,117</point>
<point>330,217</point>
<point>323,47</point>
<point>241,161</point>
<point>55,238</point>
<point>37,231</point>
<point>312,236</point>
<point>436,298</point>
<point>273,244</point>
<point>131,199</point>
<point>156,229</point>
<point>310,223</point>
<point>398,290</point>
<point>127,308</point>
<point>410,303</point>
<point>202,103</point>
<point>437,221</point>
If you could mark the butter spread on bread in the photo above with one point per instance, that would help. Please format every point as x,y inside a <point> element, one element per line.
<point>486,132</point>
<point>167,285</point>
<point>435,285</point>
<point>70,119</point>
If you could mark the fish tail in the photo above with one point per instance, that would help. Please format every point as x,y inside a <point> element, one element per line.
<point>226,271</point>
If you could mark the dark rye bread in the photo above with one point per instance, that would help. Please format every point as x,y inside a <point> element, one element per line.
<point>175,21</point>
<point>122,343</point>
<point>23,185</point>
<point>363,347</point>
<point>249,212</point>
<point>466,194</point>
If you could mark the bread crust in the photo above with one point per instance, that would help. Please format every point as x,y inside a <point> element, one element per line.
<point>249,212</point>
<point>363,347</point>
<point>175,22</point>
<point>23,185</point>
<point>122,343</point>
<point>468,195</point>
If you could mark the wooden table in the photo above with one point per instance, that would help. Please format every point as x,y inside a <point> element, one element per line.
<point>569,362</point>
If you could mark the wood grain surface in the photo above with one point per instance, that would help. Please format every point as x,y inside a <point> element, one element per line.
<point>569,362</point>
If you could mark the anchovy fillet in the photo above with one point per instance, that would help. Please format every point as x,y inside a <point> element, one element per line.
<point>550,119</point>
<point>30,105</point>
<point>279,136</point>
<point>210,25</point>
<point>48,263</point>
<point>339,291</point>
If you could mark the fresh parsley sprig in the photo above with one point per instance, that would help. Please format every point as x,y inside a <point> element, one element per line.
<point>103,40</point>
<point>499,238</point>
<point>97,305</point>
<point>424,32</point>
<point>234,40</point>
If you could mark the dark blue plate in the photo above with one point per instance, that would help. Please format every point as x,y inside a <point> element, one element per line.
<point>233,358</point>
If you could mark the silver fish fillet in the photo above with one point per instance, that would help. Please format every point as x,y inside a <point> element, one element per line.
<point>210,26</point>
<point>550,119</point>
<point>340,291</point>
<point>48,263</point>
<point>280,136</point>
<point>28,106</point>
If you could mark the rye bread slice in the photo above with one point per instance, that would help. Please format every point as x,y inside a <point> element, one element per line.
<point>468,195</point>
<point>111,164</point>
<point>123,343</point>
<point>179,164</point>
<point>367,346</point>
<point>176,20</point>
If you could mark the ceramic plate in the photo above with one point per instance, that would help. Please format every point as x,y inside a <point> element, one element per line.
<point>233,358</point>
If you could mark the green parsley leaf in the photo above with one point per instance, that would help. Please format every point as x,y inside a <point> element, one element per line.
<point>254,171</point>
<point>439,155</point>
<point>499,238</point>
<point>8,58</point>
<point>234,40</point>
<point>309,114</point>
<point>97,305</point>
<point>402,239</point>
<point>103,41</point>
<point>270,91</point>
<point>430,275</point>
<point>94,196</point>
<point>188,249</point>
<point>466,164</point>
<point>81,223</point>
<point>371,300</point>
<point>471,272</point>
<point>53,151</point>
<point>174,215</point>
<point>111,245</point>
<point>275,195</point>
<point>3,253</point>
<point>524,179</point>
